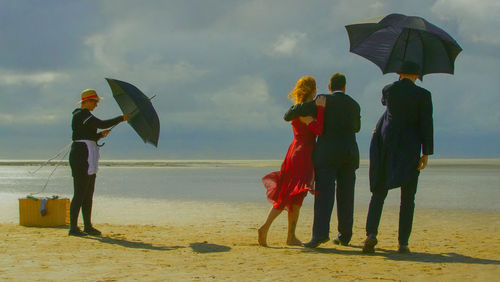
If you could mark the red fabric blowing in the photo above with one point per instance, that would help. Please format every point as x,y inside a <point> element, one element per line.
<point>289,186</point>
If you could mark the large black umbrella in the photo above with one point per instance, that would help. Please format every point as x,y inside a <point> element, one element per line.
<point>391,40</point>
<point>132,101</point>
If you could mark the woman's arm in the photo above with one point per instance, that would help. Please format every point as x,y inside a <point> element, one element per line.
<point>92,121</point>
<point>304,109</point>
<point>105,133</point>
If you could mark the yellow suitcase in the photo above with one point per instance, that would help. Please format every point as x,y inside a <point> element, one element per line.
<point>57,212</point>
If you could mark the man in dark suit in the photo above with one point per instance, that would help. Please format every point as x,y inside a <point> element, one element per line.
<point>403,132</point>
<point>335,158</point>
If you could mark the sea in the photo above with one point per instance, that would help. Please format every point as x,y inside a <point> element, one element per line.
<point>470,184</point>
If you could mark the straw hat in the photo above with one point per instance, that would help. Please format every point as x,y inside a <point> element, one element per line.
<point>89,94</point>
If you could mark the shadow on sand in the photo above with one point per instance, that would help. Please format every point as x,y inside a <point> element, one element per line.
<point>209,248</point>
<point>413,256</point>
<point>132,244</point>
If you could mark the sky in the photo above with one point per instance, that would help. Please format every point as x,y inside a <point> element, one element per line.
<point>221,71</point>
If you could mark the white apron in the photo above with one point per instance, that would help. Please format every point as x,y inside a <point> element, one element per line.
<point>93,158</point>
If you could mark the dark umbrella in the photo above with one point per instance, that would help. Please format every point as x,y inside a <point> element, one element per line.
<point>391,40</point>
<point>131,100</point>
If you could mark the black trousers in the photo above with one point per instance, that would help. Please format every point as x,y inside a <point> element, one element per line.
<point>406,210</point>
<point>82,198</point>
<point>329,180</point>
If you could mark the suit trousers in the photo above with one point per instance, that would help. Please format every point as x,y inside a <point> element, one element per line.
<point>82,198</point>
<point>328,181</point>
<point>406,210</point>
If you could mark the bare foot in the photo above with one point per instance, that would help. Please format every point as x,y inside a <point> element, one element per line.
<point>262,237</point>
<point>293,242</point>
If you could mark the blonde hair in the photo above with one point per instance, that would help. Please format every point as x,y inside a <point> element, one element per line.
<point>304,89</point>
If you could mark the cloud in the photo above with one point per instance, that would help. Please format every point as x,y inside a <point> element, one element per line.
<point>27,119</point>
<point>137,48</point>
<point>478,21</point>
<point>244,105</point>
<point>353,11</point>
<point>466,102</point>
<point>222,69</point>
<point>287,44</point>
<point>10,78</point>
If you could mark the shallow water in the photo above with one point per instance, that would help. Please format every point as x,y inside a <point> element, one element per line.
<point>447,186</point>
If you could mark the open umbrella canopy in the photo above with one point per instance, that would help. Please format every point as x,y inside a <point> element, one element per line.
<point>392,40</point>
<point>131,100</point>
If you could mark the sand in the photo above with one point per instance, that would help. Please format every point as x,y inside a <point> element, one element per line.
<point>167,240</point>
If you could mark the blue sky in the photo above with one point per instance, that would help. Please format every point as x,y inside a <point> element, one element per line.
<point>222,70</point>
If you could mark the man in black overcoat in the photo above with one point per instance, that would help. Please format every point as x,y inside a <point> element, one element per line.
<point>335,158</point>
<point>403,133</point>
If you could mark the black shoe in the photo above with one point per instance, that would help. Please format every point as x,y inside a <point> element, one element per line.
<point>403,249</point>
<point>92,231</point>
<point>76,232</point>
<point>370,243</point>
<point>314,243</point>
<point>337,241</point>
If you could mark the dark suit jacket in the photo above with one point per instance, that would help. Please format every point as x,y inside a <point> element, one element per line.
<point>402,133</point>
<point>337,145</point>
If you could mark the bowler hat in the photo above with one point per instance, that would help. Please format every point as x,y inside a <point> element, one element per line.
<point>409,67</point>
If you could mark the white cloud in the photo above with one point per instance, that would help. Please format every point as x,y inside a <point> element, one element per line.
<point>477,20</point>
<point>246,104</point>
<point>28,119</point>
<point>10,78</point>
<point>346,12</point>
<point>126,49</point>
<point>287,44</point>
<point>109,45</point>
<point>166,73</point>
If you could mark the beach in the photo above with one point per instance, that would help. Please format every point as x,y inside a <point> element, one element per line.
<point>155,238</point>
<point>172,128</point>
<point>215,241</point>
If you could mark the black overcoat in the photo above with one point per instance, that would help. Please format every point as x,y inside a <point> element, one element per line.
<point>403,132</point>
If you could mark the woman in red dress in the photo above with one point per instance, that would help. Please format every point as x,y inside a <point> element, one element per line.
<point>287,188</point>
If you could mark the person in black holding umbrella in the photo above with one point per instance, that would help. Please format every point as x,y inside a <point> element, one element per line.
<point>83,159</point>
<point>404,131</point>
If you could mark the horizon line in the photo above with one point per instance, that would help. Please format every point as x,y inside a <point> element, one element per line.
<point>489,162</point>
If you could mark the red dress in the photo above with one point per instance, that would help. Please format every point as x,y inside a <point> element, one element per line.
<point>290,185</point>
